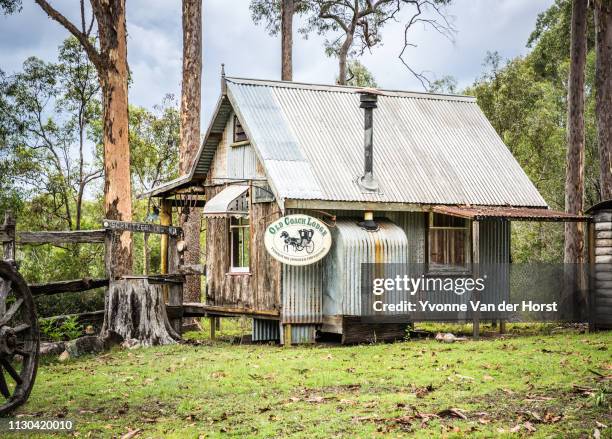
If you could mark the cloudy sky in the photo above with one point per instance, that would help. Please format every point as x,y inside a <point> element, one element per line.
<point>230,37</point>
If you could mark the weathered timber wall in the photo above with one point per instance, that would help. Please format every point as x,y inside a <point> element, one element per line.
<point>601,308</point>
<point>259,289</point>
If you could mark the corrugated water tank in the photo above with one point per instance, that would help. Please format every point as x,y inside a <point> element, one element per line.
<point>352,247</point>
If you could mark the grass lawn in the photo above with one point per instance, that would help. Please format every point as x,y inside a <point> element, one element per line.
<point>544,385</point>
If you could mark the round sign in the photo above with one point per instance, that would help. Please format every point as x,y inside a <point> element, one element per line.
<point>297,239</point>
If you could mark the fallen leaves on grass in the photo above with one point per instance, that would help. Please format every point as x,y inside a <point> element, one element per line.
<point>582,390</point>
<point>452,413</point>
<point>600,376</point>
<point>131,433</point>
<point>421,392</point>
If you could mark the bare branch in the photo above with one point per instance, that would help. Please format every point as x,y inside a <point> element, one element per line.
<point>93,54</point>
<point>445,28</point>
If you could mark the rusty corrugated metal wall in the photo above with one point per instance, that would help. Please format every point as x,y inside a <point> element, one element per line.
<point>302,291</point>
<point>354,246</point>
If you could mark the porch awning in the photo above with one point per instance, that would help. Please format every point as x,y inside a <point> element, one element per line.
<point>231,201</point>
<point>172,187</point>
<point>512,213</point>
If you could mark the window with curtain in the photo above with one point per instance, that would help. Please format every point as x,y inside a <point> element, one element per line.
<point>449,246</point>
<point>240,237</point>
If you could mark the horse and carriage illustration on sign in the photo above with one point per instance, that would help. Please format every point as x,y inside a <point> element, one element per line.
<point>300,243</point>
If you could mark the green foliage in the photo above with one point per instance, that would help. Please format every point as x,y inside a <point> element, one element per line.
<point>154,144</point>
<point>46,113</point>
<point>10,6</point>
<point>526,101</point>
<point>268,12</point>
<point>447,85</point>
<point>359,75</point>
<point>56,330</point>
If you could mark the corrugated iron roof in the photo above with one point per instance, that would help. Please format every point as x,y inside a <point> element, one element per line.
<point>428,148</point>
<point>512,213</point>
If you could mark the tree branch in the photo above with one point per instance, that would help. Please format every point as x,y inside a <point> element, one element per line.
<point>93,54</point>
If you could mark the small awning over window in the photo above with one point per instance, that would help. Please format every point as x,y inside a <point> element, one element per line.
<point>510,213</point>
<point>231,201</point>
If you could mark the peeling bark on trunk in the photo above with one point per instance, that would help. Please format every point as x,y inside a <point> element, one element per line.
<point>135,310</point>
<point>113,71</point>
<point>287,9</point>
<point>117,190</point>
<point>603,92</point>
<point>190,134</point>
<point>574,178</point>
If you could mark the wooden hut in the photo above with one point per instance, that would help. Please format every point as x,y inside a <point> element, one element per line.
<point>433,183</point>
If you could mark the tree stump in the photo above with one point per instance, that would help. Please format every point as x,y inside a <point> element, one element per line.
<point>135,310</point>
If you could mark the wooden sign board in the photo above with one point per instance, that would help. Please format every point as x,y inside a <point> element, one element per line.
<point>141,227</point>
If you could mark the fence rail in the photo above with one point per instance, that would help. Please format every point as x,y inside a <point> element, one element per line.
<point>67,286</point>
<point>172,277</point>
<point>64,237</point>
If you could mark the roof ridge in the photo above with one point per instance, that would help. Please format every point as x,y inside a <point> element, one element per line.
<point>346,89</point>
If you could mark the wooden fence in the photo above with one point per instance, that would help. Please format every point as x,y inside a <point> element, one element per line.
<point>171,277</point>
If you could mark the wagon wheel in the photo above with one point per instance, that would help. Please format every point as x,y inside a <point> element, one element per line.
<point>19,339</point>
<point>309,247</point>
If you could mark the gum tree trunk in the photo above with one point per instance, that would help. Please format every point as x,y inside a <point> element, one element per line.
<point>110,61</point>
<point>117,190</point>
<point>574,177</point>
<point>190,134</point>
<point>136,313</point>
<point>287,12</point>
<point>603,92</point>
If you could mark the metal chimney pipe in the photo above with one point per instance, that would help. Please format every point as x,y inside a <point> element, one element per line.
<point>368,98</point>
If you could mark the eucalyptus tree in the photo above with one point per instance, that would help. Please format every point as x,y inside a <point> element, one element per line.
<point>191,96</point>
<point>574,175</point>
<point>109,57</point>
<point>47,113</point>
<point>603,94</point>
<point>352,27</point>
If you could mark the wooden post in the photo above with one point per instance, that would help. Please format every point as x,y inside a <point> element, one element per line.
<point>591,271</point>
<point>476,274</point>
<point>108,254</point>
<point>165,218</point>
<point>287,336</point>
<point>213,328</point>
<point>8,241</point>
<point>175,290</point>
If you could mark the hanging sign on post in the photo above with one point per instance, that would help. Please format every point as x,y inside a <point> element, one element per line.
<point>297,239</point>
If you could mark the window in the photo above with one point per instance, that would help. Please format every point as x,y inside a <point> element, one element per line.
<point>448,243</point>
<point>240,236</point>
<point>239,134</point>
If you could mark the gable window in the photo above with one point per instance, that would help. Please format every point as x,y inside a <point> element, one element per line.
<point>448,243</point>
<point>240,244</point>
<point>239,134</point>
